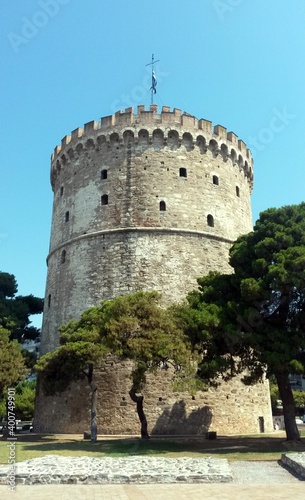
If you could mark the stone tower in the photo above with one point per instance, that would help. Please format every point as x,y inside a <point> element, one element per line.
<point>145,201</point>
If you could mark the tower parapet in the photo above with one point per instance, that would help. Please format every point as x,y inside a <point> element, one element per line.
<point>126,127</point>
<point>144,201</point>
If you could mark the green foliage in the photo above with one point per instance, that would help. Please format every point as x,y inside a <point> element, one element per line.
<point>15,310</point>
<point>71,361</point>
<point>12,366</point>
<point>24,400</point>
<point>254,319</point>
<point>2,407</point>
<point>131,327</point>
<point>257,313</point>
<point>299,399</point>
<point>8,285</point>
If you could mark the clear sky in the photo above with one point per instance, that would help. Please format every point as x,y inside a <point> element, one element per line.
<point>238,63</point>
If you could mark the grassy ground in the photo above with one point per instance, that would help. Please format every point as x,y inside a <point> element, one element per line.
<point>231,447</point>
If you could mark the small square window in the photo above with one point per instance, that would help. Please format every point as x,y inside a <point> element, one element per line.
<point>63,257</point>
<point>162,206</point>
<point>210,220</point>
<point>104,199</point>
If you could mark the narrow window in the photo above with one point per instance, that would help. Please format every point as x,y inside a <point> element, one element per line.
<point>63,256</point>
<point>104,199</point>
<point>104,174</point>
<point>215,180</point>
<point>61,190</point>
<point>237,191</point>
<point>49,300</point>
<point>182,172</point>
<point>67,215</point>
<point>162,206</point>
<point>210,220</point>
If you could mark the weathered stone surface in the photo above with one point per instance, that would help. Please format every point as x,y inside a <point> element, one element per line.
<point>84,470</point>
<point>296,462</point>
<point>138,164</point>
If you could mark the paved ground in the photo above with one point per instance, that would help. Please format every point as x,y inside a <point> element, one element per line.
<point>156,492</point>
<point>251,481</point>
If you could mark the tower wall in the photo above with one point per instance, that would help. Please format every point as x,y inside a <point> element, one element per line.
<point>142,201</point>
<point>203,177</point>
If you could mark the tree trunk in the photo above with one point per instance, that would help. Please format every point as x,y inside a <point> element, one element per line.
<point>139,401</point>
<point>93,404</point>
<point>286,395</point>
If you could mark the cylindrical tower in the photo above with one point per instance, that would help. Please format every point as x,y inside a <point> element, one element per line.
<point>141,202</point>
<point>146,201</point>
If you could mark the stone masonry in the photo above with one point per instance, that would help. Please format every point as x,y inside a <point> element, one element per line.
<point>146,201</point>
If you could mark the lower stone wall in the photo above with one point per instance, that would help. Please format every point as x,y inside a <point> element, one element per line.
<point>231,408</point>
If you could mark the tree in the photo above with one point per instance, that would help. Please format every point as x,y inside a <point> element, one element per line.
<point>24,400</point>
<point>12,365</point>
<point>133,327</point>
<point>299,400</point>
<point>254,319</point>
<point>16,310</point>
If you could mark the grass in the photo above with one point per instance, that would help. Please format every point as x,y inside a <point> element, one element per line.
<point>258,447</point>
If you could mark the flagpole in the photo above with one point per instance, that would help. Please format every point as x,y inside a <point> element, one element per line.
<point>153,78</point>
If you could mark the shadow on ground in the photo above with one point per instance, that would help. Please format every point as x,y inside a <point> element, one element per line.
<point>247,448</point>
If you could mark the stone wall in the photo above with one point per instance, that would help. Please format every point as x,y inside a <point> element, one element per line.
<point>144,202</point>
<point>228,409</point>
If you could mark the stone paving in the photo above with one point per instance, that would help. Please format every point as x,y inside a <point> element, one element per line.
<point>296,462</point>
<point>56,469</point>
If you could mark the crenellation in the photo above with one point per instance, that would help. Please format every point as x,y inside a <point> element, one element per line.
<point>185,130</point>
<point>107,122</point>
<point>65,141</point>
<point>57,150</point>
<point>242,147</point>
<point>231,137</point>
<point>220,131</point>
<point>124,118</point>
<point>206,126</point>
<point>189,121</point>
<point>91,126</point>
<point>168,119</point>
<point>77,133</point>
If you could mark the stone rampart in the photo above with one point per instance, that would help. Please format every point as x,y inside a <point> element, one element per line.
<point>146,201</point>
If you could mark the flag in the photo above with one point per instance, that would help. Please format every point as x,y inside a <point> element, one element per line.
<point>153,82</point>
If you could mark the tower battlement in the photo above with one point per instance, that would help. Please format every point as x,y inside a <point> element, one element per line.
<point>148,128</point>
<point>145,200</point>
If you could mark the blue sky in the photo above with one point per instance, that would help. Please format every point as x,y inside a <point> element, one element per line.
<point>238,63</point>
